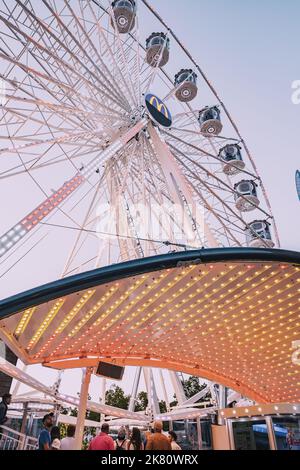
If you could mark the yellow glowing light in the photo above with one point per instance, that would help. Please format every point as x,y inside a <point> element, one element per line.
<point>26,317</point>
<point>43,327</point>
<point>75,310</point>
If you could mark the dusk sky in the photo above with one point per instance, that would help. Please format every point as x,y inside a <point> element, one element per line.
<point>250,52</point>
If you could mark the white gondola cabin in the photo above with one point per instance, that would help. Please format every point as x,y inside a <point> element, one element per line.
<point>158,49</point>
<point>259,234</point>
<point>246,199</point>
<point>124,15</point>
<point>186,84</point>
<point>232,158</point>
<point>210,121</point>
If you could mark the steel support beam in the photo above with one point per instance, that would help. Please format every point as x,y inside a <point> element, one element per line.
<point>135,389</point>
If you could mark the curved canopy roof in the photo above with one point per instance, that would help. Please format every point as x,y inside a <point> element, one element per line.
<point>228,315</point>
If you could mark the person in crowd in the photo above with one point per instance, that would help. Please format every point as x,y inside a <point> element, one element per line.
<point>135,442</point>
<point>55,438</point>
<point>144,439</point>
<point>173,440</point>
<point>103,441</point>
<point>6,400</point>
<point>68,443</point>
<point>158,441</point>
<point>121,442</point>
<point>147,435</point>
<point>290,439</point>
<point>45,437</point>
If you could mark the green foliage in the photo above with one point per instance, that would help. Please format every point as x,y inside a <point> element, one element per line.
<point>115,396</point>
<point>174,402</point>
<point>93,416</point>
<point>162,406</point>
<point>69,411</point>
<point>142,401</point>
<point>63,429</point>
<point>192,386</point>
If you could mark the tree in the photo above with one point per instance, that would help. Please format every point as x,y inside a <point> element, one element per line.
<point>162,406</point>
<point>142,402</point>
<point>174,402</point>
<point>93,416</point>
<point>192,386</point>
<point>115,396</point>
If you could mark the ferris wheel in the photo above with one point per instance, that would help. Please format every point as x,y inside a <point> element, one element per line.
<point>112,132</point>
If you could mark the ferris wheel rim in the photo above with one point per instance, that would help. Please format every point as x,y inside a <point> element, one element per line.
<point>194,112</point>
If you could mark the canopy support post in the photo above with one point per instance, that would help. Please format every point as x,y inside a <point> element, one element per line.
<point>86,378</point>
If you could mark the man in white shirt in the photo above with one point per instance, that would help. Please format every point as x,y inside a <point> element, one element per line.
<point>68,443</point>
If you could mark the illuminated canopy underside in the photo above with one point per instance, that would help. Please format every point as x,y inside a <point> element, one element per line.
<point>228,315</point>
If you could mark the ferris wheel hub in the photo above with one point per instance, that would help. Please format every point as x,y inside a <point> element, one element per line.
<point>137,114</point>
<point>158,110</point>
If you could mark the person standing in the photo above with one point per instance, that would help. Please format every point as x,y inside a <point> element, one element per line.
<point>103,441</point>
<point>290,439</point>
<point>121,442</point>
<point>173,440</point>
<point>45,436</point>
<point>158,441</point>
<point>68,443</point>
<point>135,442</point>
<point>55,438</point>
<point>6,400</point>
<point>147,435</point>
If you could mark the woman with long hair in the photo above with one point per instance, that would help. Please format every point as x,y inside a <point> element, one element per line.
<point>135,442</point>
<point>121,443</point>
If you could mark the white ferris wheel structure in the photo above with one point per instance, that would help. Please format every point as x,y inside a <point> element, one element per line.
<point>78,132</point>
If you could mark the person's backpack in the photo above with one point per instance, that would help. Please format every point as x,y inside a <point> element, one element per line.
<point>121,446</point>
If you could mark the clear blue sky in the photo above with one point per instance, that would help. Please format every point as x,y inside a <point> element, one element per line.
<point>250,52</point>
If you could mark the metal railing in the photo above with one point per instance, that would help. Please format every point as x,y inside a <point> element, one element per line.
<point>14,440</point>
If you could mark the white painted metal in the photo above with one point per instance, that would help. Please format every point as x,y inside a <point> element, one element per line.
<point>83,399</point>
<point>192,413</point>
<point>14,440</point>
<point>135,387</point>
<point>153,405</point>
<point>165,394</point>
<point>177,385</point>
<point>196,397</point>
<point>26,379</point>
